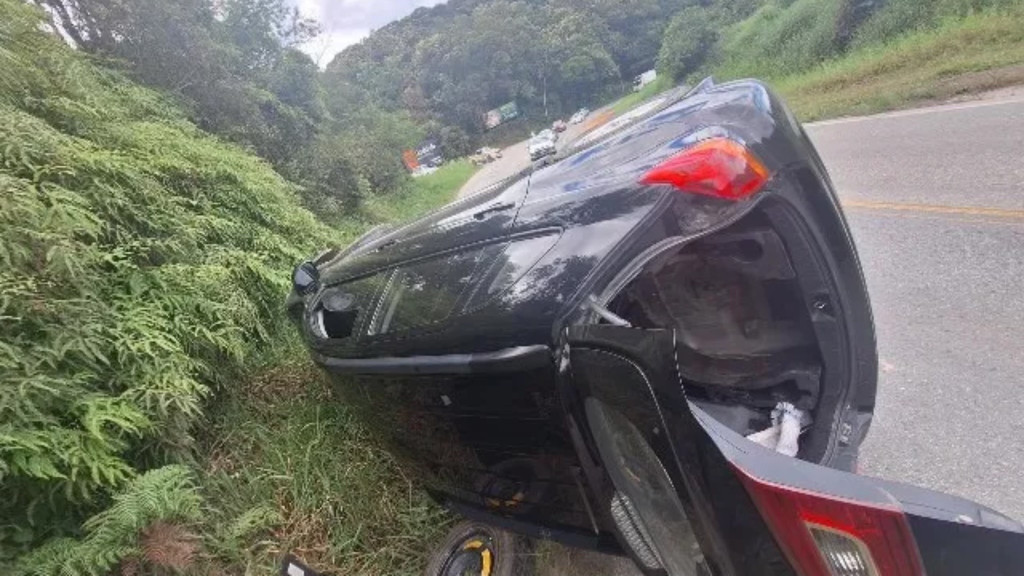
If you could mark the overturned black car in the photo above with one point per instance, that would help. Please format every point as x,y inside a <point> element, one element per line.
<point>578,354</point>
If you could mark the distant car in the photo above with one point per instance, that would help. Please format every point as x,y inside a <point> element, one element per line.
<point>579,116</point>
<point>542,144</point>
<point>485,155</point>
<point>559,126</point>
<point>644,79</point>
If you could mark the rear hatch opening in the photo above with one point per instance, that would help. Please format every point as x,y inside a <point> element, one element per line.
<point>745,341</point>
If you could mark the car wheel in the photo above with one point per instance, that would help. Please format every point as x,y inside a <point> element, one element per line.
<point>475,549</point>
<point>645,506</point>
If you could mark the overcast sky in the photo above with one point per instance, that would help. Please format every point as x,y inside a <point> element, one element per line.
<point>345,22</point>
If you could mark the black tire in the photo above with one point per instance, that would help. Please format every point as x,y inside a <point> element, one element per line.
<point>509,553</point>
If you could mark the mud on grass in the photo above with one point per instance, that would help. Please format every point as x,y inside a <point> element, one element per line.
<point>289,470</point>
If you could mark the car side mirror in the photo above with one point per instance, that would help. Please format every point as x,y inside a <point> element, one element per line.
<point>305,278</point>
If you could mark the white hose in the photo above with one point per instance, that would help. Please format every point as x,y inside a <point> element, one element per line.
<point>789,428</point>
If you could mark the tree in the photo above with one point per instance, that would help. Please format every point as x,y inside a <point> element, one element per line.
<point>230,62</point>
<point>687,42</point>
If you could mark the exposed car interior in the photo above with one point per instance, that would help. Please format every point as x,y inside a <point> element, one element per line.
<point>744,338</point>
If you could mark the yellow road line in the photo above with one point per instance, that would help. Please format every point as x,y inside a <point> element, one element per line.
<point>936,209</point>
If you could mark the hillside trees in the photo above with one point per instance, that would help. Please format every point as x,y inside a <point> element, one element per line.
<point>453,62</point>
<point>235,66</point>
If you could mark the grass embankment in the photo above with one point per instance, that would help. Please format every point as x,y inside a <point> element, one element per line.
<point>291,470</point>
<point>423,194</point>
<point>634,99</point>
<point>958,56</point>
<point>978,53</point>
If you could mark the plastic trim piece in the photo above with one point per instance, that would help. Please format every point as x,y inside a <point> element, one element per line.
<point>505,360</point>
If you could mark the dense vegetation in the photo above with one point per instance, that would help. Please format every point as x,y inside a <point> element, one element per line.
<point>157,183</point>
<point>450,63</point>
<point>234,67</point>
<point>144,265</point>
<point>143,261</point>
<point>783,37</point>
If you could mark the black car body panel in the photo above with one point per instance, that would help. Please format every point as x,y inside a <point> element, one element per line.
<point>952,535</point>
<point>477,341</point>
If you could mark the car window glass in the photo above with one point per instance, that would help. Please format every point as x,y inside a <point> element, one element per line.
<point>427,292</point>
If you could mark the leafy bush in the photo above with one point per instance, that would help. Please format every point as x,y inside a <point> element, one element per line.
<point>777,40</point>
<point>143,263</point>
<point>145,526</point>
<point>687,40</point>
<point>898,17</point>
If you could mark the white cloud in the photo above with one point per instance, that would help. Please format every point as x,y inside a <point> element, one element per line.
<point>346,22</point>
<point>323,48</point>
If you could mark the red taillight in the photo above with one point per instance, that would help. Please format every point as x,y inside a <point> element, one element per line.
<point>825,536</point>
<point>716,167</point>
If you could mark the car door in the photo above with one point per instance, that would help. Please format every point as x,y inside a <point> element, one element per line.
<point>690,496</point>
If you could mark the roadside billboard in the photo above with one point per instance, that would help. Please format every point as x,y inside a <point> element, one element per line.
<point>427,153</point>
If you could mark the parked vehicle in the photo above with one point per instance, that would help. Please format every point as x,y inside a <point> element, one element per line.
<point>644,79</point>
<point>485,155</point>
<point>559,126</point>
<point>659,346</point>
<point>549,134</point>
<point>541,145</point>
<point>579,116</point>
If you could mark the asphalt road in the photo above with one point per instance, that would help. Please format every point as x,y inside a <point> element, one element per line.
<point>513,159</point>
<point>935,198</point>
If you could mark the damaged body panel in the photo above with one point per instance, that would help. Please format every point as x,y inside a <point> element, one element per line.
<point>502,346</point>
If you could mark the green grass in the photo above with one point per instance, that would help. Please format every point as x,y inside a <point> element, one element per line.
<point>979,52</point>
<point>965,55</point>
<point>634,99</point>
<point>776,40</point>
<point>419,196</point>
<point>424,194</point>
<point>289,469</point>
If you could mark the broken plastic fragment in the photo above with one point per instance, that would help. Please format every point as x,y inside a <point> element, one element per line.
<point>783,436</point>
<point>788,418</point>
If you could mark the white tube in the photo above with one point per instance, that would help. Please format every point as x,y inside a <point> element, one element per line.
<point>789,433</point>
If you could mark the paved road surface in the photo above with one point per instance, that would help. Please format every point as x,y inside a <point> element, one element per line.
<point>513,159</point>
<point>935,198</point>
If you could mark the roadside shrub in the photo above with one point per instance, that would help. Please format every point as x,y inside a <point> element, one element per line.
<point>899,17</point>
<point>142,265</point>
<point>896,18</point>
<point>145,527</point>
<point>775,41</point>
<point>687,41</point>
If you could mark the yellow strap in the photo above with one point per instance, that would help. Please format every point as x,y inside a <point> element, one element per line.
<point>486,569</point>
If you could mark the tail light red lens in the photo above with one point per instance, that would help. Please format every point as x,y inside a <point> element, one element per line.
<point>825,536</point>
<point>716,167</point>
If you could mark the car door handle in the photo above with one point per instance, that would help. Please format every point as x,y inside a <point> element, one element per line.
<point>496,208</point>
